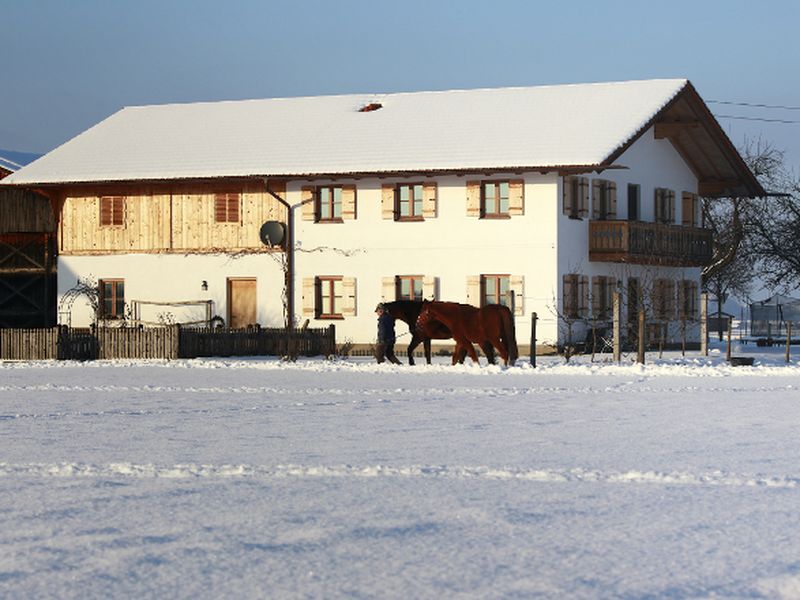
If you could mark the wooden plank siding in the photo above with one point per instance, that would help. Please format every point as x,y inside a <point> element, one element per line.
<point>160,219</point>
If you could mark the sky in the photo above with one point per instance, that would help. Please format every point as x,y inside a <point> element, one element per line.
<point>69,64</point>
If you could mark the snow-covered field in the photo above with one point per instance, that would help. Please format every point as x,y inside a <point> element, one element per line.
<point>255,478</point>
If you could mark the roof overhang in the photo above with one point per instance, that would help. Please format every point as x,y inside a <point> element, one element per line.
<point>689,125</point>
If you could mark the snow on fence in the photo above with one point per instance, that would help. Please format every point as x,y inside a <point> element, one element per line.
<point>66,343</point>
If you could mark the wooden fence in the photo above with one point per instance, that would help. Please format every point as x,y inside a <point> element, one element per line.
<point>66,343</point>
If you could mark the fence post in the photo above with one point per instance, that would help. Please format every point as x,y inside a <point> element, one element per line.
<point>730,331</point>
<point>704,323</point>
<point>331,340</point>
<point>788,341</point>
<point>534,318</point>
<point>617,314</point>
<point>640,350</point>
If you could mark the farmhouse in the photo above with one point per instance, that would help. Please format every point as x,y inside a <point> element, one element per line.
<point>547,199</point>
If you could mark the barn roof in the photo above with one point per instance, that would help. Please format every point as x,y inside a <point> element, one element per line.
<point>522,128</point>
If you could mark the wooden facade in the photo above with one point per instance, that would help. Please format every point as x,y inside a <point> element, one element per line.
<point>159,219</point>
<point>636,242</point>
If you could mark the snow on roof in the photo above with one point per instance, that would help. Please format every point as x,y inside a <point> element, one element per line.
<point>543,126</point>
<point>8,164</point>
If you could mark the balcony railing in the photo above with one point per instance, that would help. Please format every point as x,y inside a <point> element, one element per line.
<point>649,243</point>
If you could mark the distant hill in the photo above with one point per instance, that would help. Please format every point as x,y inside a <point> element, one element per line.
<point>13,160</point>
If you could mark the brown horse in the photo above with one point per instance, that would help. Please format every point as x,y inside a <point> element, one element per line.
<point>408,312</point>
<point>492,327</point>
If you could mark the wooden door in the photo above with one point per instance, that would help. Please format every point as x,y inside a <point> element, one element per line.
<point>241,302</point>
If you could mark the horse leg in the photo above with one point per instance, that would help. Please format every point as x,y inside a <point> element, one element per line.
<point>462,345</point>
<point>501,348</point>
<point>415,340</point>
<point>426,343</point>
<point>488,350</point>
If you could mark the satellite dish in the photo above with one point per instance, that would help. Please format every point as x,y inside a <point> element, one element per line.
<point>272,233</point>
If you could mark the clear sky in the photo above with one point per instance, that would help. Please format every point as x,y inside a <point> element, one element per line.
<point>67,64</point>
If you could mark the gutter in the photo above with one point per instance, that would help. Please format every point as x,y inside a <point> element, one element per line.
<point>289,272</point>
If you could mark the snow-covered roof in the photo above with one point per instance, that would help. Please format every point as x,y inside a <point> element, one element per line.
<point>523,127</point>
<point>8,164</point>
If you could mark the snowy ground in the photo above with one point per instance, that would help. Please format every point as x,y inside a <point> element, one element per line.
<point>253,478</point>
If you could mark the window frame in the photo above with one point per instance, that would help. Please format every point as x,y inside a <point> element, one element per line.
<point>602,300</point>
<point>413,202</point>
<point>331,282</point>
<point>574,305</point>
<point>331,204</point>
<point>635,200</point>
<point>499,297</point>
<point>117,300</point>
<point>228,208</point>
<point>416,283</point>
<point>112,215</point>
<point>497,199</point>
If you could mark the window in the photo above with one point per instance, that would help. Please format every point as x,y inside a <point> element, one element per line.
<point>690,210</point>
<point>112,298</point>
<point>604,200</point>
<point>329,203</point>
<point>688,300</point>
<point>494,199</point>
<point>575,197</point>
<point>409,287</point>
<point>112,211</point>
<point>576,296</point>
<point>602,297</point>
<point>664,299</point>
<point>634,299</point>
<point>226,208</point>
<point>664,205</point>
<point>495,290</point>
<point>633,202</point>
<point>409,202</point>
<point>329,297</point>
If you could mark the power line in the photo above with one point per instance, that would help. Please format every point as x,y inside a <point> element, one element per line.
<point>764,120</point>
<point>754,105</point>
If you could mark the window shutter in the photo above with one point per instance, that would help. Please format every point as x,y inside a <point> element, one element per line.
<point>429,288</point>
<point>569,294</point>
<point>387,201</point>
<point>516,197</point>
<point>583,206</point>
<point>473,198</point>
<point>348,202</point>
<point>597,296</point>
<point>567,197</point>
<point>671,213</point>
<point>349,296</point>
<point>309,296</point>
<point>584,296</point>
<point>597,193</point>
<point>429,200</point>
<point>388,289</point>
<point>687,209</point>
<point>516,283</point>
<point>308,201</point>
<point>670,292</point>
<point>612,200</point>
<point>474,290</point>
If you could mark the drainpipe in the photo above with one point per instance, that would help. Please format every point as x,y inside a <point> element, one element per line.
<point>289,274</point>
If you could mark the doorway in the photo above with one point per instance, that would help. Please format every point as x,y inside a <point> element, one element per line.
<point>241,301</point>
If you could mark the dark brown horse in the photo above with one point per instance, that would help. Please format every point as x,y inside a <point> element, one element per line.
<point>492,327</point>
<point>408,312</point>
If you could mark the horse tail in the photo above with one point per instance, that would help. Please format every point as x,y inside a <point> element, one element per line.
<point>510,336</point>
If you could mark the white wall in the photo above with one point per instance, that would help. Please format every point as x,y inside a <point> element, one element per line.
<point>451,246</point>
<point>170,277</point>
<point>651,164</point>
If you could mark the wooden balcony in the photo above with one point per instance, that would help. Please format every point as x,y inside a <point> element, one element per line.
<point>649,244</point>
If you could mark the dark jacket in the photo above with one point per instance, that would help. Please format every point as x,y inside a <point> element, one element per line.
<point>386,329</point>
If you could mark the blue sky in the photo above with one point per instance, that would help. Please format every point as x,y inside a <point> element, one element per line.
<point>69,64</point>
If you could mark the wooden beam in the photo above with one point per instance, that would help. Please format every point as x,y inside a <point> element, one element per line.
<point>717,187</point>
<point>667,129</point>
